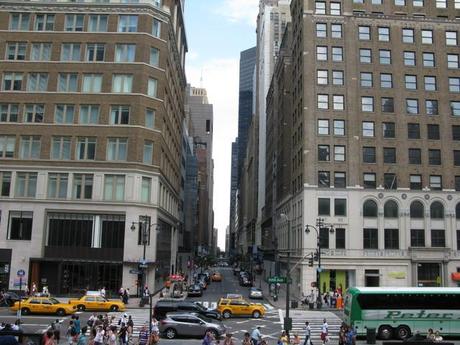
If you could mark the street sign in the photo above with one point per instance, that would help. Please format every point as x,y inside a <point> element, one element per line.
<point>143,265</point>
<point>134,272</point>
<point>21,273</point>
<point>277,280</point>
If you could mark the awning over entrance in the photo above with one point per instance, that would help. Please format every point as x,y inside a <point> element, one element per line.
<point>455,276</point>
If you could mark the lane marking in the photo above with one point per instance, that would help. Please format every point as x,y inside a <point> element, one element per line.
<point>280,313</point>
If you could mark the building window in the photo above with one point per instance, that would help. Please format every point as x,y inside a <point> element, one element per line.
<point>389,129</point>
<point>454,85</point>
<point>409,58</point>
<point>64,113</point>
<point>5,180</point>
<point>119,115</point>
<point>37,82</point>
<point>40,52</point>
<point>321,30</point>
<point>9,112</point>
<point>57,185</point>
<point>456,157</point>
<point>336,30</point>
<point>34,113</point>
<point>324,207</point>
<point>152,87</point>
<point>146,189</point>
<point>388,105</point>
<point>340,238</point>
<point>366,79</point>
<point>451,38</point>
<point>321,77</point>
<point>30,147</point>
<point>148,152</point>
<point>412,106</point>
<point>321,53</point>
<point>114,187</point>
<point>67,82</point>
<point>339,153</point>
<point>370,239</point>
<point>434,157</point>
<point>415,156</point>
<point>340,180</point>
<point>156,28</point>
<point>7,145</point>
<point>430,83</point>
<point>453,61</point>
<point>416,210</point>
<point>122,83</point>
<point>384,34</point>
<point>455,108</point>
<point>441,3</point>
<point>370,209</point>
<point>89,114</point>
<point>324,238</point>
<point>338,102</point>
<point>60,148</point>
<point>117,149</point>
<point>340,207</point>
<point>125,53</point>
<point>438,238</point>
<point>335,8</point>
<point>337,54</point>
<point>320,7</point>
<point>339,127</point>
<point>324,179</point>
<point>86,148</point>
<point>365,56</point>
<point>44,22</point>
<point>408,35</point>
<point>150,118</point>
<point>323,127</point>
<point>428,60</point>
<point>364,33</point>
<point>12,81</point>
<point>323,101</point>
<point>368,129</point>
<point>154,57</point>
<point>413,131</point>
<point>436,210</point>
<point>92,83</point>
<point>127,23</point>
<point>337,77</point>
<point>390,181</point>
<point>95,52</point>
<point>389,155</point>
<point>400,2</point>
<point>70,52</point>
<point>16,50</point>
<point>20,226</point>
<point>386,80</point>
<point>427,36</point>
<point>455,132</point>
<point>98,23</point>
<point>369,154</point>
<point>74,22</point>
<point>416,182</point>
<point>323,153</point>
<point>431,107</point>
<point>367,104</point>
<point>369,180</point>
<point>433,132</point>
<point>435,182</point>
<point>19,22</point>
<point>417,238</point>
<point>410,82</point>
<point>26,185</point>
<point>391,239</point>
<point>82,186</point>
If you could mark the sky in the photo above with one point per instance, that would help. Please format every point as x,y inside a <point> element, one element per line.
<point>217,31</point>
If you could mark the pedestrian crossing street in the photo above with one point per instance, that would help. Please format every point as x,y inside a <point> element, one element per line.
<point>315,319</point>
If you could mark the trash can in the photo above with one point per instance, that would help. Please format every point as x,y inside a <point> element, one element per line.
<point>294,304</point>
<point>371,335</point>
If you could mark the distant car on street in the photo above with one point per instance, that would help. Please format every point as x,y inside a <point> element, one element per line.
<point>44,305</point>
<point>162,307</point>
<point>95,302</point>
<point>195,290</point>
<point>240,307</point>
<point>216,277</point>
<point>190,325</point>
<point>256,293</point>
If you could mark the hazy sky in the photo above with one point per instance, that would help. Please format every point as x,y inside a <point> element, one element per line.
<point>217,31</point>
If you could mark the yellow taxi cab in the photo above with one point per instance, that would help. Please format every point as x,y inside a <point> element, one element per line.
<point>216,277</point>
<point>229,307</point>
<point>44,305</point>
<point>92,302</point>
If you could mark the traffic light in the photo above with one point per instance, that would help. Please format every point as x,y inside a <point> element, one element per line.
<point>316,256</point>
<point>310,261</point>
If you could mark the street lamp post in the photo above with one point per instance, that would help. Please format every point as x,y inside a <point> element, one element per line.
<point>319,225</point>
<point>287,320</point>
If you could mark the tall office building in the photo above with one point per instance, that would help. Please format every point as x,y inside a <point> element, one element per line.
<point>230,248</point>
<point>375,149</point>
<point>92,106</point>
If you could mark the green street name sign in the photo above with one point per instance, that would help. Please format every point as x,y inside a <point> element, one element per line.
<point>277,280</point>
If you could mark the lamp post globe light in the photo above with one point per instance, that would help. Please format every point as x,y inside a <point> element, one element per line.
<point>317,255</point>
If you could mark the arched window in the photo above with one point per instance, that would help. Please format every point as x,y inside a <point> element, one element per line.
<point>437,210</point>
<point>370,208</point>
<point>457,211</point>
<point>416,209</point>
<point>390,210</point>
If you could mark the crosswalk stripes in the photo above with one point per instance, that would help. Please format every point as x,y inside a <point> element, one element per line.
<point>315,320</point>
<point>139,316</point>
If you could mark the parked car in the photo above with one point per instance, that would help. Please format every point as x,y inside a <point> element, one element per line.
<point>164,306</point>
<point>204,276</point>
<point>216,277</point>
<point>256,293</point>
<point>202,283</point>
<point>190,325</point>
<point>195,290</point>
<point>95,302</point>
<point>44,305</point>
<point>245,281</point>
<point>239,307</point>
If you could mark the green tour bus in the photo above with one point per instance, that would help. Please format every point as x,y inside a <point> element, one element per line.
<point>400,312</point>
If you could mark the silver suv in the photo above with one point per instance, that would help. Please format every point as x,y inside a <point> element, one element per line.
<point>190,325</point>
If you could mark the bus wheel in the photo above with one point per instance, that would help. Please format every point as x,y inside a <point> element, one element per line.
<point>403,332</point>
<point>385,332</point>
